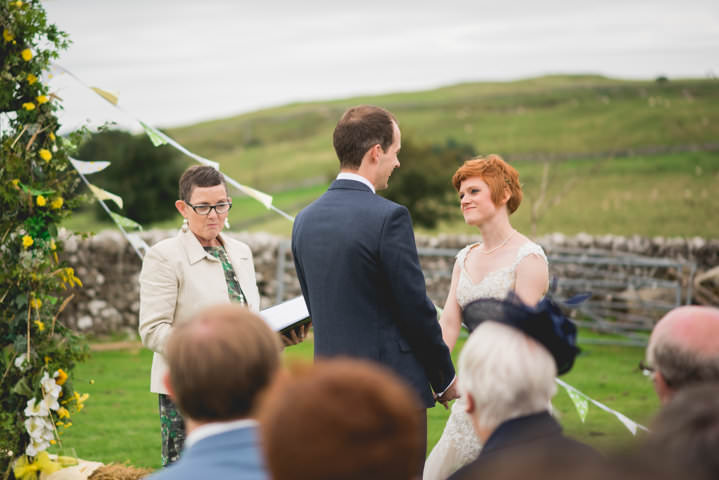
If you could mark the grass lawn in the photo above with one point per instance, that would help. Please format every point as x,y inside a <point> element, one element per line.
<point>120,422</point>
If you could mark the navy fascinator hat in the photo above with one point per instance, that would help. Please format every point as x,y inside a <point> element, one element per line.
<point>545,323</point>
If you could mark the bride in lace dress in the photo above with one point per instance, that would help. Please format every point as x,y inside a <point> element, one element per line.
<point>489,191</point>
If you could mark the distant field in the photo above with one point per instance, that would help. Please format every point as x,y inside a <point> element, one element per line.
<point>641,157</point>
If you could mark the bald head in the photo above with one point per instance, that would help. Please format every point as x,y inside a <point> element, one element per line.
<point>684,349</point>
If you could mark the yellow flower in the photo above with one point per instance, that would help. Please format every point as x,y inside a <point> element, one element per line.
<point>68,425</point>
<point>63,412</point>
<point>41,99</point>
<point>15,182</point>
<point>7,35</point>
<point>52,442</point>
<point>27,241</point>
<point>59,424</point>
<point>52,136</point>
<point>40,325</point>
<point>40,200</point>
<point>26,54</point>
<point>28,106</point>
<point>36,303</point>
<point>92,381</point>
<point>52,244</point>
<point>61,378</point>
<point>57,205</point>
<point>18,4</point>
<point>45,154</point>
<point>31,78</point>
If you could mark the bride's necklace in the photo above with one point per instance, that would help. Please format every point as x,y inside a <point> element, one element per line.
<point>487,252</point>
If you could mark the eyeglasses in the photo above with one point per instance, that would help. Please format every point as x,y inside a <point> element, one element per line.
<point>646,369</point>
<point>220,208</point>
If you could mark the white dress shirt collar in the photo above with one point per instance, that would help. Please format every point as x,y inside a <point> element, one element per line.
<point>356,178</point>
<point>215,428</point>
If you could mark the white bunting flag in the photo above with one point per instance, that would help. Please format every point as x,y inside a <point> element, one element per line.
<point>109,96</point>
<point>88,168</point>
<point>125,222</point>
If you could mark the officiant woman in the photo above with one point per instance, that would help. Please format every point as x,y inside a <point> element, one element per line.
<point>195,269</point>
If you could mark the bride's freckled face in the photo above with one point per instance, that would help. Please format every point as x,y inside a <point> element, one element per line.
<point>475,200</point>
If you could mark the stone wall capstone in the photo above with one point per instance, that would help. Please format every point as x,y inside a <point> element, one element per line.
<point>108,302</point>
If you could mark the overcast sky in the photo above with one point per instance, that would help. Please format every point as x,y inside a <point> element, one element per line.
<point>176,62</point>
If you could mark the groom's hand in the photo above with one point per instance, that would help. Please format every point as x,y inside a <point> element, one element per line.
<point>450,394</point>
<point>296,336</point>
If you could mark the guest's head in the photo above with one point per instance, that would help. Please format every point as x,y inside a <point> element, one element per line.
<point>204,202</point>
<point>220,362</point>
<point>504,374</point>
<point>684,436</point>
<point>684,349</point>
<point>341,420</point>
<point>367,140</point>
<point>491,173</point>
<point>508,365</point>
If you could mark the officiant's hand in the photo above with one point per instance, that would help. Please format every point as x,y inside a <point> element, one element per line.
<point>297,335</point>
<point>450,394</point>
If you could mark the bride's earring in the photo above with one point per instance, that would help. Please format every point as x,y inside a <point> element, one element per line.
<point>184,226</point>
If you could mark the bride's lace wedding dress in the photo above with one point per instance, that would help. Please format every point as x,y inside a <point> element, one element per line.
<point>459,444</point>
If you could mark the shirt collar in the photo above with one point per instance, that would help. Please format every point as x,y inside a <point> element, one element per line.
<point>357,178</point>
<point>215,428</point>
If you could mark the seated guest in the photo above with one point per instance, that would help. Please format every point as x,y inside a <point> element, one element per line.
<point>342,420</point>
<point>507,370</point>
<point>684,350</point>
<point>219,363</point>
<point>684,437</point>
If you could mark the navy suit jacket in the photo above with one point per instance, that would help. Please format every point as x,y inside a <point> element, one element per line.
<point>357,263</point>
<point>232,454</point>
<point>511,440</point>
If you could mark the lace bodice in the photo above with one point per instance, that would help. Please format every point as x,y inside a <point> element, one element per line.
<point>459,444</point>
<point>495,284</point>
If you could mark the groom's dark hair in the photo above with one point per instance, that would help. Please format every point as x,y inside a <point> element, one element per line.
<point>360,129</point>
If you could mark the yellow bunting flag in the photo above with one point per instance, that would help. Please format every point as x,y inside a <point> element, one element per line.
<point>261,197</point>
<point>101,194</point>
<point>109,96</point>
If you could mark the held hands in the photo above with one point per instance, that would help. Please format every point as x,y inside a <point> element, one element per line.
<point>450,394</point>
<point>296,336</point>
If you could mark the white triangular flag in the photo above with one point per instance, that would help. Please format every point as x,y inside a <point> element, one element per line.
<point>581,403</point>
<point>88,168</point>
<point>105,195</point>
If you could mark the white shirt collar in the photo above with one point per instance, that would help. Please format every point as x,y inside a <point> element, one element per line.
<point>215,428</point>
<point>356,178</point>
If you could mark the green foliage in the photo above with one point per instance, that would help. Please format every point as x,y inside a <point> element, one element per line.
<point>144,176</point>
<point>423,183</point>
<point>37,191</point>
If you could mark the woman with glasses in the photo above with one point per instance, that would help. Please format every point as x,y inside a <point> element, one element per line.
<point>181,275</point>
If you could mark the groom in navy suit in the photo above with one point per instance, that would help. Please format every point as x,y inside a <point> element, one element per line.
<point>357,264</point>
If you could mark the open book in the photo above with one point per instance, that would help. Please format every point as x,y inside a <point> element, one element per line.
<point>287,316</point>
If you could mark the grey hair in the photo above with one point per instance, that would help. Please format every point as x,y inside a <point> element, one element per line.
<point>507,373</point>
<point>681,367</point>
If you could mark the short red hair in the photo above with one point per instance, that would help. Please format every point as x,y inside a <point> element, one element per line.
<point>497,174</point>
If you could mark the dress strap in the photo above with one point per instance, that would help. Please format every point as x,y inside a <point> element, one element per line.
<point>529,248</point>
<point>462,254</point>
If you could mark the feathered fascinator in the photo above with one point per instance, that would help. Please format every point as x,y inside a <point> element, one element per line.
<point>546,323</point>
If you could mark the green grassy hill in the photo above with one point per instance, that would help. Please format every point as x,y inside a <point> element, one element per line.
<point>624,157</point>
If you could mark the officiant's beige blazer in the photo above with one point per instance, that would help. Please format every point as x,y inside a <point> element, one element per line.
<point>178,279</point>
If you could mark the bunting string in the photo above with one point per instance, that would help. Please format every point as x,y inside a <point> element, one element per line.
<point>159,138</point>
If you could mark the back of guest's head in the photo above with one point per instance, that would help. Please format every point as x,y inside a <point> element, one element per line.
<point>684,436</point>
<point>497,174</point>
<point>684,347</point>
<point>359,129</point>
<point>199,176</point>
<point>507,373</point>
<point>341,420</point>
<point>220,361</point>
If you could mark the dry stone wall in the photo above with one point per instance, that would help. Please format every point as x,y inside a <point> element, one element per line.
<point>109,268</point>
